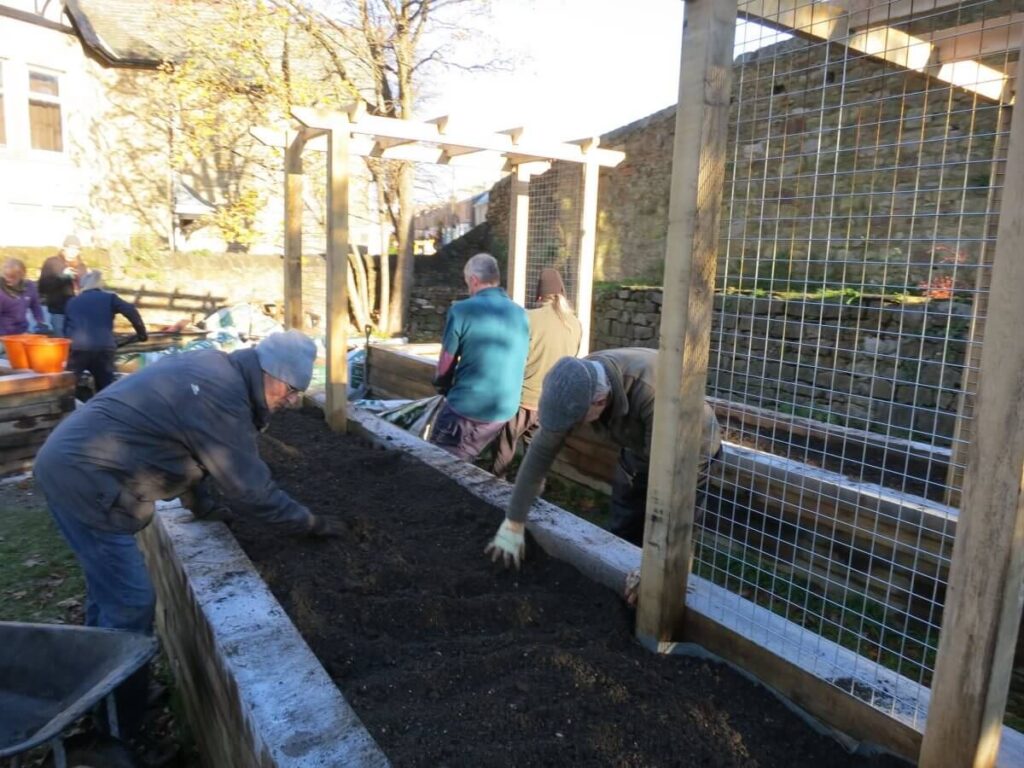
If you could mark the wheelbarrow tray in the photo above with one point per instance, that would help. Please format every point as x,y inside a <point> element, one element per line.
<point>52,674</point>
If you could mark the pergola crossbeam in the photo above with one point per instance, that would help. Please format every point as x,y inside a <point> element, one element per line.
<point>870,12</point>
<point>868,30</point>
<point>430,133</point>
<point>991,37</point>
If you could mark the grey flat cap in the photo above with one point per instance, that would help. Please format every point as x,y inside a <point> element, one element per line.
<point>568,390</point>
<point>288,356</point>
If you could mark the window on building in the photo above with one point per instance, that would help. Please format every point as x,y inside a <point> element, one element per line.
<point>44,112</point>
<point>3,122</point>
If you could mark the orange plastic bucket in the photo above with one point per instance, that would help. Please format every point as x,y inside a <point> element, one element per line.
<point>47,355</point>
<point>15,347</point>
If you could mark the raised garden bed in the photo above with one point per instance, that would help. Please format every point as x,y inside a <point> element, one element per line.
<point>448,660</point>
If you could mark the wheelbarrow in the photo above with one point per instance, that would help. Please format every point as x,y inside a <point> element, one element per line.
<point>51,675</point>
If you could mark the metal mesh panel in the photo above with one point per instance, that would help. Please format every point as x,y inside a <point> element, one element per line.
<point>553,237</point>
<point>859,222</point>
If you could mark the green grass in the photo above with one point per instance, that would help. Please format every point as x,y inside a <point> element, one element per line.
<point>40,580</point>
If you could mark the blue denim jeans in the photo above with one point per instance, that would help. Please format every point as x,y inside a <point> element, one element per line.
<point>57,324</point>
<point>119,593</point>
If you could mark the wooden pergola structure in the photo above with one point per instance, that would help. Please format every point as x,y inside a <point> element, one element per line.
<point>354,132</point>
<point>986,584</point>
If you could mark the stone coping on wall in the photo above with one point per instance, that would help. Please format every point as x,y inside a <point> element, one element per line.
<point>255,695</point>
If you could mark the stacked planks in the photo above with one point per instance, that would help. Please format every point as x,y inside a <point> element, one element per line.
<point>31,405</point>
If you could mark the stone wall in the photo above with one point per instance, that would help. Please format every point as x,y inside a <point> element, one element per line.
<point>839,170</point>
<point>428,309</point>
<point>867,365</point>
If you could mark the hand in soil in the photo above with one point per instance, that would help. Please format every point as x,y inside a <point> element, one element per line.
<point>326,528</point>
<point>509,544</point>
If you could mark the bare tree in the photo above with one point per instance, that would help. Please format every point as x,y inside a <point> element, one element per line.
<point>239,63</point>
<point>384,49</point>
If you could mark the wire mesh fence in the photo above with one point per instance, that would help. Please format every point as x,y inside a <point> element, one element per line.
<point>861,197</point>
<point>553,235</point>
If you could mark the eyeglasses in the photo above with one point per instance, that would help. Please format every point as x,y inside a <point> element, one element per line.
<point>292,391</point>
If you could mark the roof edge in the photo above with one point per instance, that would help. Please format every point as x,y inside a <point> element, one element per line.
<point>95,44</point>
<point>31,18</point>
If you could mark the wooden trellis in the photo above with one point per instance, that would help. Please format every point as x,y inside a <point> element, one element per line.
<point>986,582</point>
<point>354,132</point>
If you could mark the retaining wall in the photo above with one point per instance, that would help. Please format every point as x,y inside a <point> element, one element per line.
<point>255,695</point>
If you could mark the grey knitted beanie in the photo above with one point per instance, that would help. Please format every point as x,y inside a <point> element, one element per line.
<point>567,393</point>
<point>288,356</point>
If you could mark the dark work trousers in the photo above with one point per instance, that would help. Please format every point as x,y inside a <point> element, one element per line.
<point>525,422</point>
<point>118,595</point>
<point>629,496</point>
<point>460,436</point>
<point>98,362</point>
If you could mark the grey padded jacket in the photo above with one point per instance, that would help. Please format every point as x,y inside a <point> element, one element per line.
<point>159,432</point>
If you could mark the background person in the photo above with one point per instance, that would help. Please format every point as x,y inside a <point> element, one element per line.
<point>155,435</point>
<point>614,391</point>
<point>58,280</point>
<point>89,323</point>
<point>18,297</point>
<point>555,333</point>
<point>480,372</point>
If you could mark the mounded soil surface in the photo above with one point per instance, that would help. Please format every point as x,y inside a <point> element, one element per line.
<point>452,661</point>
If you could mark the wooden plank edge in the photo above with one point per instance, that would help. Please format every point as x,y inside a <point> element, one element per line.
<point>21,383</point>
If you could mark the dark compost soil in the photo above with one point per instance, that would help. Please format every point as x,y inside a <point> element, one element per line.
<point>451,661</point>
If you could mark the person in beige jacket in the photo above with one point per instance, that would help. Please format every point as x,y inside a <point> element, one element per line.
<point>555,333</point>
<point>614,391</point>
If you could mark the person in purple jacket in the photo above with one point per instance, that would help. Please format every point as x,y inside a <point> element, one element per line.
<point>18,296</point>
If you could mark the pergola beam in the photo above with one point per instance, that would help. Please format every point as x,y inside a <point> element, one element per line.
<point>865,13</point>
<point>990,37</point>
<point>431,133</point>
<point>868,30</point>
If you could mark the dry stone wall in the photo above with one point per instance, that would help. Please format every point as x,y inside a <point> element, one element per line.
<point>865,365</point>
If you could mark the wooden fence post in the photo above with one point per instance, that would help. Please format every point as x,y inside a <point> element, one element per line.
<point>336,384</point>
<point>698,169</point>
<point>293,233</point>
<point>986,577</point>
<point>588,243</point>
<point>518,226</point>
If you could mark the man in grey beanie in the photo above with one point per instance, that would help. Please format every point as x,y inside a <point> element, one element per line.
<point>613,390</point>
<point>159,434</point>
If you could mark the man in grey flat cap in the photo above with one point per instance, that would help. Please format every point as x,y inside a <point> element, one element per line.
<point>158,434</point>
<point>614,391</point>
